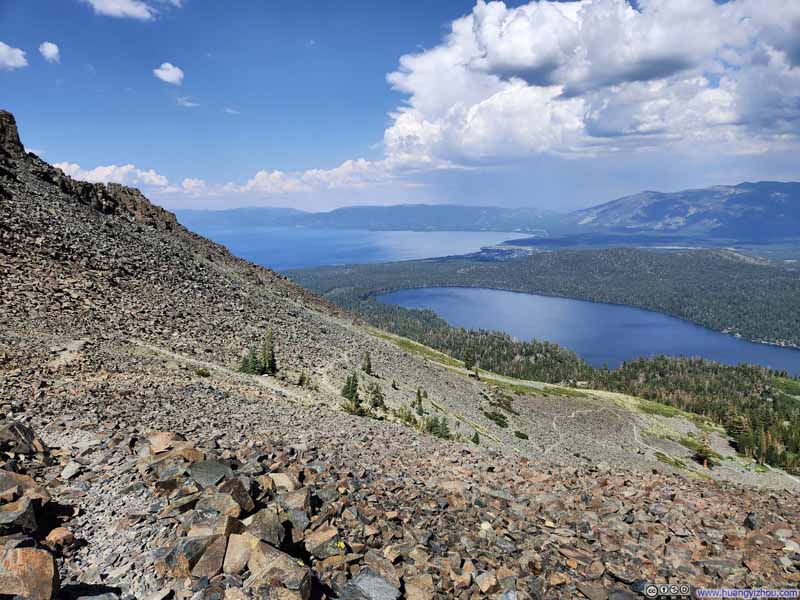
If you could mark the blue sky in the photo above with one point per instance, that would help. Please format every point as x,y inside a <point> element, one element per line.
<point>322,104</point>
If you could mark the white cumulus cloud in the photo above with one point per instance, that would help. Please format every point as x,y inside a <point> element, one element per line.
<point>125,9</point>
<point>11,58</point>
<point>597,76</point>
<point>193,186</point>
<point>50,52</point>
<point>582,79</point>
<point>169,73</point>
<point>123,174</point>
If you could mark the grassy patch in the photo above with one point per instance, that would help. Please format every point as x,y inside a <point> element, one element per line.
<point>761,469</point>
<point>563,392</point>
<point>202,372</point>
<point>513,387</point>
<point>787,386</point>
<point>435,405</point>
<point>417,349</point>
<point>701,475</point>
<point>662,410</point>
<point>668,460</point>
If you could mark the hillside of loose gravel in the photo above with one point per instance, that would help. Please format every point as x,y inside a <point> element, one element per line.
<point>136,461</point>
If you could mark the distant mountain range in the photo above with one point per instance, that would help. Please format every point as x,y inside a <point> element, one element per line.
<point>760,211</point>
<point>403,217</point>
<point>748,211</point>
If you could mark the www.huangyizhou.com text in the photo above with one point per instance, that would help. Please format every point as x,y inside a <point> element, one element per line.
<point>747,593</point>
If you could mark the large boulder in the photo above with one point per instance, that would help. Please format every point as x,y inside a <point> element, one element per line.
<point>30,573</point>
<point>18,438</point>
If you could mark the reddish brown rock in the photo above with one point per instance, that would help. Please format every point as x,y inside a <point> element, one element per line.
<point>30,573</point>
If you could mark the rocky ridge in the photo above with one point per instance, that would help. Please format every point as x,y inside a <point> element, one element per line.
<point>175,476</point>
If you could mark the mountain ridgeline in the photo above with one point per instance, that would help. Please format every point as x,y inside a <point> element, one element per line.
<point>762,211</point>
<point>405,217</point>
<point>749,212</point>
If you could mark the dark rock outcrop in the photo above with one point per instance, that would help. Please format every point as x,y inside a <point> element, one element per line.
<point>10,145</point>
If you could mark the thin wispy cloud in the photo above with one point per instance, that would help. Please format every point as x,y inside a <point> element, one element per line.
<point>186,102</point>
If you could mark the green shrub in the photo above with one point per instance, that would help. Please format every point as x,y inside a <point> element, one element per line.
<point>499,418</point>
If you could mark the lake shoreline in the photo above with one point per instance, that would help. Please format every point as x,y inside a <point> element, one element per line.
<point>377,294</point>
<point>777,344</point>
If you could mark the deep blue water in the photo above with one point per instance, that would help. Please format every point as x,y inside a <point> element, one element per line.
<point>296,248</point>
<point>599,333</point>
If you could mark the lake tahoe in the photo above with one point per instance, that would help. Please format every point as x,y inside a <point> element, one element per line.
<point>599,333</point>
<point>283,248</point>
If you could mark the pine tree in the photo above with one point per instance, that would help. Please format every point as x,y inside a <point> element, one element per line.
<point>763,444</point>
<point>268,363</point>
<point>376,397</point>
<point>350,389</point>
<point>469,360</point>
<point>250,363</point>
<point>366,364</point>
<point>705,455</point>
<point>418,403</point>
<point>350,392</point>
<point>443,429</point>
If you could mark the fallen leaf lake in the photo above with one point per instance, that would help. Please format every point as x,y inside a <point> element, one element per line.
<point>601,334</point>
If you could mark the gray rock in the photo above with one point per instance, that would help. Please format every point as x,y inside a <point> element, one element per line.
<point>369,586</point>
<point>210,472</point>
<point>753,521</point>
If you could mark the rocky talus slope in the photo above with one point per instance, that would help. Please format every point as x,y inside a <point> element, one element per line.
<point>136,462</point>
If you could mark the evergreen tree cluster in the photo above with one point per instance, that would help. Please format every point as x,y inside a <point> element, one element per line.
<point>261,361</point>
<point>375,395</point>
<point>437,426</point>
<point>352,398</point>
